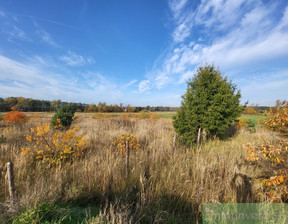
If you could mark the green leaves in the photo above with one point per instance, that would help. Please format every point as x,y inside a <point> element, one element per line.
<point>210,103</point>
<point>65,114</point>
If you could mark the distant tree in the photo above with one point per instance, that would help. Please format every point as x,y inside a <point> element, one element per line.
<point>250,110</point>
<point>65,114</point>
<point>55,105</point>
<point>92,108</point>
<point>210,102</point>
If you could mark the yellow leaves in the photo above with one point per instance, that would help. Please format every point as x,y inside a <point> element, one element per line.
<point>53,147</point>
<point>274,156</point>
<point>25,151</point>
<point>119,143</point>
<point>29,138</point>
<point>278,119</point>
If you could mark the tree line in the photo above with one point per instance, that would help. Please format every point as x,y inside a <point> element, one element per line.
<point>34,105</point>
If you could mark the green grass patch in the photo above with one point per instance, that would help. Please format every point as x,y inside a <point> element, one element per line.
<point>254,117</point>
<point>55,213</point>
<point>166,114</point>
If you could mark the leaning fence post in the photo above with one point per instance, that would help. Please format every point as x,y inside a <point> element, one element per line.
<point>10,177</point>
<point>127,158</point>
<point>198,138</point>
<point>174,144</point>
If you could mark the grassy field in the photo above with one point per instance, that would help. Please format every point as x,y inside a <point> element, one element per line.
<point>161,188</point>
<point>253,117</point>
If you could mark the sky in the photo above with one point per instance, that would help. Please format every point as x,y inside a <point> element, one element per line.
<point>141,52</point>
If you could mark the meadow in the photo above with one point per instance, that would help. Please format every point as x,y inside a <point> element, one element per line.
<point>160,188</point>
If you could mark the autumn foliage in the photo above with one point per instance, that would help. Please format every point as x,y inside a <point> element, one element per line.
<point>274,157</point>
<point>119,143</point>
<point>250,110</point>
<point>53,148</point>
<point>15,117</point>
<point>278,121</point>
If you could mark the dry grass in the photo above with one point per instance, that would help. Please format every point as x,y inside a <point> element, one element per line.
<point>160,189</point>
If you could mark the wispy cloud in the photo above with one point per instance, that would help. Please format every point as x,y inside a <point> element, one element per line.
<point>15,32</point>
<point>144,86</point>
<point>250,37</point>
<point>35,18</point>
<point>47,38</point>
<point>176,6</point>
<point>130,83</point>
<point>73,59</point>
<point>2,14</point>
<point>21,79</point>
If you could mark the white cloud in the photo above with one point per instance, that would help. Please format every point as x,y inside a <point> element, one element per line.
<point>176,6</point>
<point>144,86</point>
<point>73,59</point>
<point>162,80</point>
<point>15,32</point>
<point>130,83</point>
<point>186,76</point>
<point>244,38</point>
<point>21,79</point>
<point>47,38</point>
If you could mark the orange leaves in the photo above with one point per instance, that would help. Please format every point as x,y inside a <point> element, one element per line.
<point>278,120</point>
<point>51,147</point>
<point>15,117</point>
<point>276,157</point>
<point>119,143</point>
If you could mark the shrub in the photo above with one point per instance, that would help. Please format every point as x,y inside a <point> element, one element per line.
<point>65,114</point>
<point>154,116</point>
<point>274,158</point>
<point>143,114</point>
<point>15,117</point>
<point>210,103</point>
<point>250,110</point>
<point>241,122</point>
<point>52,148</point>
<point>119,143</point>
<point>278,121</point>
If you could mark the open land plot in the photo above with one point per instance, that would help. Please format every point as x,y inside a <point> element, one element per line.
<point>160,187</point>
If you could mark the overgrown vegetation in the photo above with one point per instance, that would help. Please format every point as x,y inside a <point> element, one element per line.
<point>159,189</point>
<point>273,156</point>
<point>15,117</point>
<point>90,185</point>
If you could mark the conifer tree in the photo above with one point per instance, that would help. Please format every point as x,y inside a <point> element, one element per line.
<point>210,102</point>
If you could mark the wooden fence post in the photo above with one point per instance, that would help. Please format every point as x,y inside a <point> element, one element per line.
<point>127,158</point>
<point>10,177</point>
<point>204,135</point>
<point>198,138</point>
<point>174,144</point>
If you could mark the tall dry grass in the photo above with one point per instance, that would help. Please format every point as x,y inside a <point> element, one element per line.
<point>160,188</point>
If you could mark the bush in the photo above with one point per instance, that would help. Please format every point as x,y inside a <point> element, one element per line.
<point>15,117</point>
<point>53,148</point>
<point>278,120</point>
<point>65,114</point>
<point>250,110</point>
<point>272,157</point>
<point>119,143</point>
<point>210,103</point>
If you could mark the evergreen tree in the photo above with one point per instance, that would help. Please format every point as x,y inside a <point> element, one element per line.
<point>210,102</point>
<point>66,114</point>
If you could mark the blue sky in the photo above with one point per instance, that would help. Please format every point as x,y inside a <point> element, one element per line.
<point>141,52</point>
